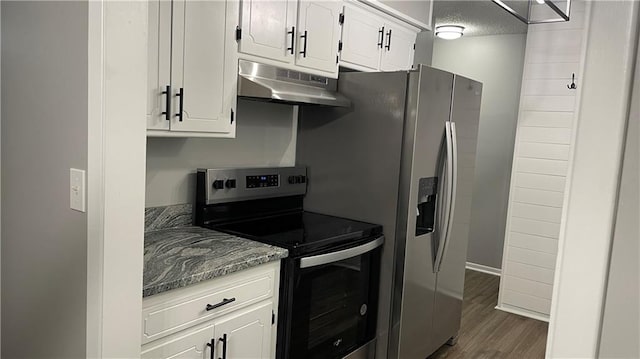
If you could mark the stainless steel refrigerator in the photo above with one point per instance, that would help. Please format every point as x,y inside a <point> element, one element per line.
<point>403,156</point>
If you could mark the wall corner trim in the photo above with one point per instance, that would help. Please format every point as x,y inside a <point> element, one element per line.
<point>582,265</point>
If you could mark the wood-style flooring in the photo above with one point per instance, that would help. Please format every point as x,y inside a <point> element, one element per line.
<point>489,333</point>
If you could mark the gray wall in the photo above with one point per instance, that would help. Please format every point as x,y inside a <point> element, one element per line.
<point>417,9</point>
<point>496,61</point>
<point>621,318</point>
<point>0,181</point>
<point>265,136</point>
<point>44,133</point>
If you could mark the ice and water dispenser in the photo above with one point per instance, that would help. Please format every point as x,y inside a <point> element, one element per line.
<point>427,194</point>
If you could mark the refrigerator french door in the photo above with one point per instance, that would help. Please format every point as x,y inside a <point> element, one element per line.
<point>403,156</point>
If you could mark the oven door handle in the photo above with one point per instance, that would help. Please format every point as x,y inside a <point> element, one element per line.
<point>332,257</point>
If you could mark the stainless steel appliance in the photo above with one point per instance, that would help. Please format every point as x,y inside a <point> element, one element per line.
<point>403,156</point>
<point>329,282</point>
<point>258,81</point>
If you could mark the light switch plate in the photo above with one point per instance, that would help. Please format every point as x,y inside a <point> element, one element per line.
<point>77,189</point>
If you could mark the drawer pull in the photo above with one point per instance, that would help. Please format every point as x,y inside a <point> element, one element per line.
<point>225,301</point>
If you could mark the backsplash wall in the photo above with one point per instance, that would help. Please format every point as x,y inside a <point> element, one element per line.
<point>265,136</point>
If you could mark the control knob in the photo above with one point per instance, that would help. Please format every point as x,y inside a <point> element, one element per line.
<point>218,184</point>
<point>230,183</point>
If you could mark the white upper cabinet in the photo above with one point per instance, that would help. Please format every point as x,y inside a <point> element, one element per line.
<point>300,35</point>
<point>371,41</point>
<point>268,29</point>
<point>192,49</point>
<point>203,67</point>
<point>159,70</point>
<point>398,48</point>
<point>318,35</point>
<point>362,38</point>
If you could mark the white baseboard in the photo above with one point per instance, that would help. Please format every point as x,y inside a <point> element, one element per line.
<point>523,312</point>
<point>484,269</point>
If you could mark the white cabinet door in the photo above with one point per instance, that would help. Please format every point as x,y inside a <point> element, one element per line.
<point>247,334</point>
<point>398,48</point>
<point>159,70</point>
<point>204,66</point>
<point>318,35</point>
<point>190,344</point>
<point>362,38</point>
<point>268,29</point>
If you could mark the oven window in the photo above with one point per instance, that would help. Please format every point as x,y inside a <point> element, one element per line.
<point>333,308</point>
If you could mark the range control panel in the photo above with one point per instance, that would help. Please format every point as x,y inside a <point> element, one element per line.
<point>262,181</point>
<point>238,184</point>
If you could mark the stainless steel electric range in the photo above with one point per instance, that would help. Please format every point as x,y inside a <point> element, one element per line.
<point>329,282</point>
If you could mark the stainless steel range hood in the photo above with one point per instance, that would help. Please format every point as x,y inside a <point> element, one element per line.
<point>269,83</point>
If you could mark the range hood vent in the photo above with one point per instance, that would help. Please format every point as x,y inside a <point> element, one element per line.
<point>269,83</point>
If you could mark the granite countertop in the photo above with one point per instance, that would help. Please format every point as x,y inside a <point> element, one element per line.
<point>177,254</point>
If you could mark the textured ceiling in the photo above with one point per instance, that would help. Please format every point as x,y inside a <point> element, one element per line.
<point>479,17</point>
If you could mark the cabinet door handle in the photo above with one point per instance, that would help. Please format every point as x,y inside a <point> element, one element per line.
<point>293,38</point>
<point>181,95</point>
<point>388,46</point>
<point>224,346</point>
<point>304,47</point>
<point>167,105</point>
<point>211,345</point>
<point>225,301</point>
<point>381,33</point>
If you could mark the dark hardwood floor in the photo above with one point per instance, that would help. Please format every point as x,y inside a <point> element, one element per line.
<point>489,333</point>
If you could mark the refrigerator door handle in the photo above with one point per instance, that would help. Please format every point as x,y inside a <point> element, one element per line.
<point>452,198</point>
<point>444,232</point>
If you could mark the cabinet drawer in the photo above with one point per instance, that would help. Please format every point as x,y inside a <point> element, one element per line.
<point>188,307</point>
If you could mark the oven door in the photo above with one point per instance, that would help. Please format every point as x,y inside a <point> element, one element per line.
<point>335,301</point>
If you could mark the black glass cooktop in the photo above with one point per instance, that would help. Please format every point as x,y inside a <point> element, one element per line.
<point>302,232</point>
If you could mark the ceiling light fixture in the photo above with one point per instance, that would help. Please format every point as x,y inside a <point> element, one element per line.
<point>449,32</point>
<point>540,2</point>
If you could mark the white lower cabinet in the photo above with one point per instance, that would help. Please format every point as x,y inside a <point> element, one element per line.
<point>246,335</point>
<point>188,344</point>
<point>231,317</point>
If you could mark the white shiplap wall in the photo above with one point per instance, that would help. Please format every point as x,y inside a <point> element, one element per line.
<point>544,140</point>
